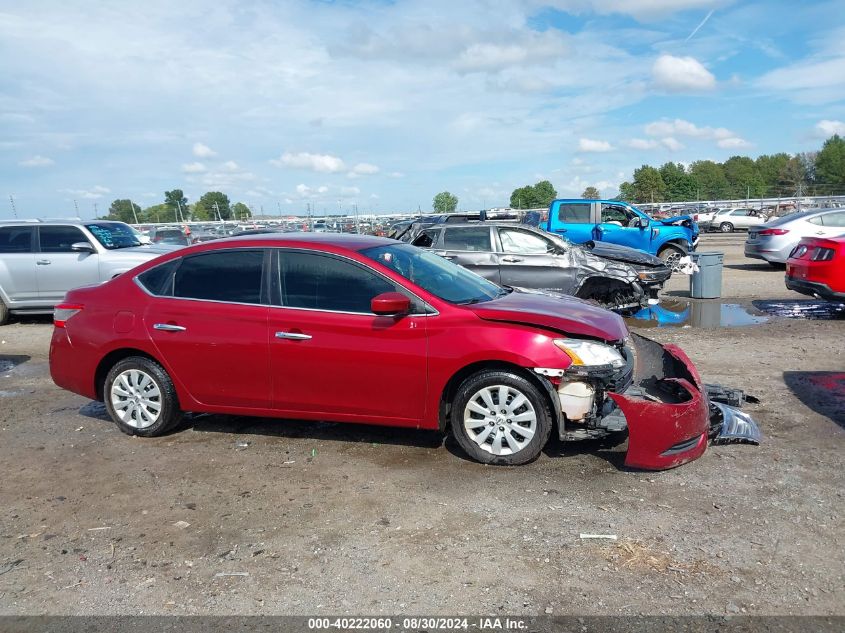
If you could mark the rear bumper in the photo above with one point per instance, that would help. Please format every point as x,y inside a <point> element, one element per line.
<point>65,367</point>
<point>768,252</point>
<point>666,408</point>
<point>814,289</point>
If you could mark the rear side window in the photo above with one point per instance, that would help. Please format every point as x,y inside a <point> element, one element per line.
<point>426,239</point>
<point>322,282</point>
<point>469,238</point>
<point>232,276</point>
<point>515,241</point>
<point>59,239</point>
<point>159,280</point>
<point>834,219</point>
<point>574,213</point>
<point>16,239</point>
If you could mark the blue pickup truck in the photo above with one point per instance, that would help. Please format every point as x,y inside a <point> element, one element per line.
<point>617,222</point>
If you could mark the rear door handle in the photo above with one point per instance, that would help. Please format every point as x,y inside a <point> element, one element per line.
<point>169,327</point>
<point>511,259</point>
<point>43,262</point>
<point>293,336</point>
<point>444,255</point>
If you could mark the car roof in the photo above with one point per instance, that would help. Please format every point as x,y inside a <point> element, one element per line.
<point>497,223</point>
<point>40,222</point>
<point>349,241</point>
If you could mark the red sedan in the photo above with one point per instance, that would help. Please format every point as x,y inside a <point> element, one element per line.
<point>816,267</point>
<point>366,329</point>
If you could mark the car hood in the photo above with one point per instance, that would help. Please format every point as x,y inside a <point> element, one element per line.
<point>554,312</point>
<point>678,219</point>
<point>148,250</point>
<point>624,254</point>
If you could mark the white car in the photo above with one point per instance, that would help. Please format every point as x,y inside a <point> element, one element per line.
<point>730,220</point>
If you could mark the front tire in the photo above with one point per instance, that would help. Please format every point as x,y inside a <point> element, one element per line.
<point>726,227</point>
<point>141,398</point>
<point>671,256</point>
<point>500,417</point>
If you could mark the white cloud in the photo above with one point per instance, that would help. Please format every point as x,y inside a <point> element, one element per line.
<point>645,10</point>
<point>231,165</point>
<point>680,127</point>
<point>816,80</point>
<point>325,163</point>
<point>681,74</point>
<point>591,145</point>
<point>203,151</point>
<point>364,169</point>
<point>350,191</point>
<point>734,142</point>
<point>304,191</point>
<point>827,128</point>
<point>193,168</point>
<point>672,144</point>
<point>93,193</point>
<point>668,142</point>
<point>37,161</point>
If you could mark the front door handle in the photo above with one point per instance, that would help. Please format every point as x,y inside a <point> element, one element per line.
<point>43,262</point>
<point>444,255</point>
<point>169,327</point>
<point>511,259</point>
<point>293,336</point>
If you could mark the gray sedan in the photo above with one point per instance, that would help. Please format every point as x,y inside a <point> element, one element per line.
<point>774,240</point>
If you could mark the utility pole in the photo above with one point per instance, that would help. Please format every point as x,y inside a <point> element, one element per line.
<point>14,210</point>
<point>96,213</point>
<point>181,218</point>
<point>217,210</point>
<point>135,215</point>
<point>279,205</point>
<point>76,206</point>
<point>357,221</point>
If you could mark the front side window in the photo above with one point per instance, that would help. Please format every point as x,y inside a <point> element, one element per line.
<point>114,235</point>
<point>231,276</point>
<point>15,239</point>
<point>575,213</point>
<point>515,241</point>
<point>434,274</point>
<point>611,213</point>
<point>467,238</point>
<point>59,239</point>
<point>321,282</point>
<point>740,212</point>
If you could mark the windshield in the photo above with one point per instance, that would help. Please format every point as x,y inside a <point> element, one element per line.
<point>438,276</point>
<point>113,234</point>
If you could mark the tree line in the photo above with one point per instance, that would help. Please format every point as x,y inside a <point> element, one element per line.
<point>768,176</point>
<point>212,205</point>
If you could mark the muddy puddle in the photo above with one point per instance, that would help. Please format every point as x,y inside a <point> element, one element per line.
<point>700,314</point>
<point>802,309</point>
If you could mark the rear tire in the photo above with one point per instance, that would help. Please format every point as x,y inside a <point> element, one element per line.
<point>500,417</point>
<point>726,227</point>
<point>777,265</point>
<point>4,313</point>
<point>141,398</point>
<point>671,256</point>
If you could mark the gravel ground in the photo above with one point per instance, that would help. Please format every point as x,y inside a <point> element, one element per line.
<point>253,516</point>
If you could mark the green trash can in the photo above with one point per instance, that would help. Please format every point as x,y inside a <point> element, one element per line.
<point>706,282</point>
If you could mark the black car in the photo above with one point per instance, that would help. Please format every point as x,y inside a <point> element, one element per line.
<point>510,254</point>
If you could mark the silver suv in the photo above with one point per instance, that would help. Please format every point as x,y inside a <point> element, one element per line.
<point>40,260</point>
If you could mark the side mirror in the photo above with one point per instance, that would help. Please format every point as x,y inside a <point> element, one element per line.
<point>390,304</point>
<point>82,247</point>
<point>643,223</point>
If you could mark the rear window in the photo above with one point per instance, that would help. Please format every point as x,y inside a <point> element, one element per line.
<point>834,219</point>
<point>231,276</point>
<point>159,280</point>
<point>574,213</point>
<point>467,239</point>
<point>15,239</point>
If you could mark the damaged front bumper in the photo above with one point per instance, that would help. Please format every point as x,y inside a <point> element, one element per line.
<point>658,397</point>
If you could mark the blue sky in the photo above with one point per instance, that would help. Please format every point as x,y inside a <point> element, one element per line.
<point>384,104</point>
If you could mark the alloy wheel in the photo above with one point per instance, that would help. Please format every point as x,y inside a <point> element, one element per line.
<point>500,419</point>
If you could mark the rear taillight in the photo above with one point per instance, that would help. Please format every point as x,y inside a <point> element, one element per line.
<point>63,312</point>
<point>822,254</point>
<point>774,232</point>
<point>798,251</point>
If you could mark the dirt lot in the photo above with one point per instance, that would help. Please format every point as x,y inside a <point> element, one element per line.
<point>326,518</point>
